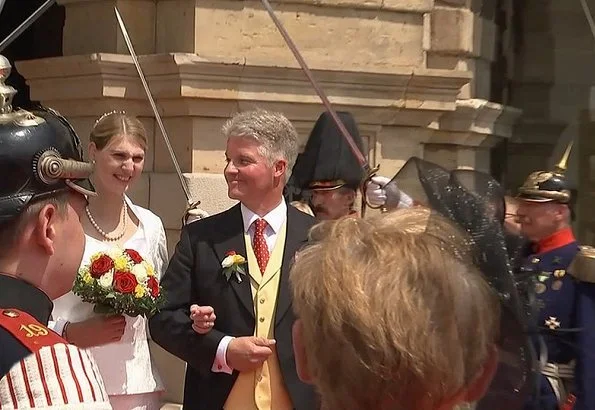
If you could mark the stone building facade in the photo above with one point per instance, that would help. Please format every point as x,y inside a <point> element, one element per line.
<point>497,85</point>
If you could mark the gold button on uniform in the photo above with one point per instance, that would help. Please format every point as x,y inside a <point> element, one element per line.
<point>261,301</point>
<point>261,319</point>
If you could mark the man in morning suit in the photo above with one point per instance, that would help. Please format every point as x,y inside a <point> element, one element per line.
<point>565,288</point>
<point>246,360</point>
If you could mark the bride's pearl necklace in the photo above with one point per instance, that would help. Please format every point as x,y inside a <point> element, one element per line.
<point>102,232</point>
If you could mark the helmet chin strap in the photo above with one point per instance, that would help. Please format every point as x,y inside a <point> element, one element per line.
<point>79,188</point>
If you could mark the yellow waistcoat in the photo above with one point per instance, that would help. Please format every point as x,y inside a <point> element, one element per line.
<point>263,389</point>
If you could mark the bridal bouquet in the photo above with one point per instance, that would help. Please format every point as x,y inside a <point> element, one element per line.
<point>118,282</point>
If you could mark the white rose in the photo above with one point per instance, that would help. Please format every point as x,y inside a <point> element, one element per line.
<point>107,279</point>
<point>114,252</point>
<point>227,262</point>
<point>140,272</point>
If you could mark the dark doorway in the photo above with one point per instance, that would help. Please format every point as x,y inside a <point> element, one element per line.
<point>42,39</point>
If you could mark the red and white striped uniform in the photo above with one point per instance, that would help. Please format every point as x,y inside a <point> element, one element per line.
<point>59,376</point>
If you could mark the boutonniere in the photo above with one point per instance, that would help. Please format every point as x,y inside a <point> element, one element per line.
<point>233,264</point>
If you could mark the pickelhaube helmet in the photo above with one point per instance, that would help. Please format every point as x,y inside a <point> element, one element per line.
<point>40,154</point>
<point>548,186</point>
<point>327,161</point>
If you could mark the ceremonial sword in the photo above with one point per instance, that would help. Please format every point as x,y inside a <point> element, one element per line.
<point>154,108</point>
<point>25,24</point>
<point>325,101</point>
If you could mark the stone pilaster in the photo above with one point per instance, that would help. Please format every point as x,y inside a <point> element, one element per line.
<point>462,37</point>
<point>463,138</point>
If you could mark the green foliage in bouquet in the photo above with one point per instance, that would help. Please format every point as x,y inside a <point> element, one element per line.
<point>120,282</point>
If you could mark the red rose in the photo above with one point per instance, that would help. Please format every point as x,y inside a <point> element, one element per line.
<point>230,253</point>
<point>134,255</point>
<point>124,282</point>
<point>101,265</point>
<point>153,286</point>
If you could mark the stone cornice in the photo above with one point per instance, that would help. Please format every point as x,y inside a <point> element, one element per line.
<point>189,77</point>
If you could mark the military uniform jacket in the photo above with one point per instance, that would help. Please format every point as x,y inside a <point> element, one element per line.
<point>566,316</point>
<point>38,368</point>
<point>17,294</point>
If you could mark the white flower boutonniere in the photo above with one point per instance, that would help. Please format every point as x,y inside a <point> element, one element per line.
<point>233,265</point>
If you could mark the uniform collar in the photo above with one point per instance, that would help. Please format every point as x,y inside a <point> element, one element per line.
<point>18,294</point>
<point>275,218</point>
<point>561,238</point>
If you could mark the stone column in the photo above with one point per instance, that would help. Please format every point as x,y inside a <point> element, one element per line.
<point>462,36</point>
<point>463,138</point>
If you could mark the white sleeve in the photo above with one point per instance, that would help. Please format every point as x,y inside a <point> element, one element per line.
<point>220,364</point>
<point>58,325</point>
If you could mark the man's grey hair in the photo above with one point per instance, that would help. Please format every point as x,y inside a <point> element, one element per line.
<point>275,133</point>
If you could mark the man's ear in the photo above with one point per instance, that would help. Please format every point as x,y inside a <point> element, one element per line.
<point>46,228</point>
<point>299,350</point>
<point>280,167</point>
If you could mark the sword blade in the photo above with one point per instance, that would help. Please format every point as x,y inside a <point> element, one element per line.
<point>350,141</point>
<point>25,24</point>
<point>153,105</point>
<point>2,5</point>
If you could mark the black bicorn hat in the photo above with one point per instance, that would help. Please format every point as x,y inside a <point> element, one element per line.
<point>548,186</point>
<point>327,161</point>
<point>40,154</point>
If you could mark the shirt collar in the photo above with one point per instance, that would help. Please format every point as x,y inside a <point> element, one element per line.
<point>275,218</point>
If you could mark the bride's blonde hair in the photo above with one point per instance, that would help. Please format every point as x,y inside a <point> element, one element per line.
<point>114,124</point>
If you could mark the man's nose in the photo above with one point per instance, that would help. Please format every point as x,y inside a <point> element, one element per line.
<point>230,168</point>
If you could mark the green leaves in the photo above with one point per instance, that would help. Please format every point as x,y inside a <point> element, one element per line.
<point>234,270</point>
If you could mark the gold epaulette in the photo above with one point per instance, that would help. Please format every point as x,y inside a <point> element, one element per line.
<point>583,265</point>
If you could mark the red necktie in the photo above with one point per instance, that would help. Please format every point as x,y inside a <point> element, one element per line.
<point>259,243</point>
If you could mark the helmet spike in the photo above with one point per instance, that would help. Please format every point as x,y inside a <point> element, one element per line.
<point>563,164</point>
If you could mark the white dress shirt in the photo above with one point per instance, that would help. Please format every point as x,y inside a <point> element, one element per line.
<point>275,220</point>
<point>125,366</point>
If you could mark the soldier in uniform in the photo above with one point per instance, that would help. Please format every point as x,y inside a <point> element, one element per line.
<point>327,173</point>
<point>42,195</point>
<point>565,288</point>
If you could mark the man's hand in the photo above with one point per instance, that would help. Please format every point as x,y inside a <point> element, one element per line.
<point>96,331</point>
<point>248,353</point>
<point>375,192</point>
<point>203,318</point>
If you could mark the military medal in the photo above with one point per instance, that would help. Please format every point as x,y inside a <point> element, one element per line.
<point>540,288</point>
<point>553,323</point>
<point>557,285</point>
<point>543,276</point>
<point>559,273</point>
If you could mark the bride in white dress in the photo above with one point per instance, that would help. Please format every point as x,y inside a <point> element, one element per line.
<point>119,344</point>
